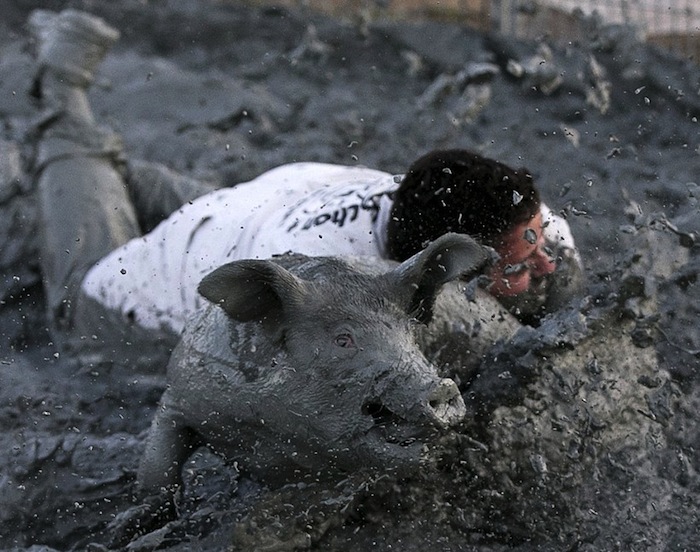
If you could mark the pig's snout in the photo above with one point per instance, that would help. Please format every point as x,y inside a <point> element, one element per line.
<point>444,405</point>
<point>440,405</point>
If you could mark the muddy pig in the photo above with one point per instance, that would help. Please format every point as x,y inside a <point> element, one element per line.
<point>305,367</point>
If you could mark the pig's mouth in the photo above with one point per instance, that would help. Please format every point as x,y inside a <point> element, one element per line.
<point>379,412</point>
<point>393,429</point>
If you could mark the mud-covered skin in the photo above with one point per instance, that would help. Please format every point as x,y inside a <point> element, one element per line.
<point>311,369</point>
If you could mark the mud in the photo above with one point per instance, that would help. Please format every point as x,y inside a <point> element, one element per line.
<point>584,432</point>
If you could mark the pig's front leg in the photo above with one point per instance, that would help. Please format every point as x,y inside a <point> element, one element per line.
<point>168,445</point>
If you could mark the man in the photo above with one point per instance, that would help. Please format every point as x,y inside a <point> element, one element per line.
<point>322,209</point>
<point>102,278</point>
<point>539,268</point>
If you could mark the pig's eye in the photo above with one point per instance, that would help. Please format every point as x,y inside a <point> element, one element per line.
<point>344,340</point>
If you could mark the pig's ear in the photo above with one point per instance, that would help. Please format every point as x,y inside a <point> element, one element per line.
<point>448,258</point>
<point>250,290</point>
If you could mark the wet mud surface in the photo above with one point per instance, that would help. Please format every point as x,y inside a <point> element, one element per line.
<point>583,434</point>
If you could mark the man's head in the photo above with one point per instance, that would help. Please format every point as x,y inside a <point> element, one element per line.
<point>461,191</point>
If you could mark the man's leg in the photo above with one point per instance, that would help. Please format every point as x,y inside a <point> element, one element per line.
<point>84,205</point>
<point>157,191</point>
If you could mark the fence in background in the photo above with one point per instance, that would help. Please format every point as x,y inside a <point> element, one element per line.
<point>671,24</point>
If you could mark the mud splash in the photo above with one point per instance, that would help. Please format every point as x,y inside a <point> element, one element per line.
<point>585,430</point>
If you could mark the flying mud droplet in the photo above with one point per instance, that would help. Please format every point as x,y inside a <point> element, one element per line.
<point>530,235</point>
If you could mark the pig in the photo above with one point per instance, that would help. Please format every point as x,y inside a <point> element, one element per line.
<point>310,366</point>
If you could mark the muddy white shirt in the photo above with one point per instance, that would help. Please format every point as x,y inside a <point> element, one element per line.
<point>308,208</point>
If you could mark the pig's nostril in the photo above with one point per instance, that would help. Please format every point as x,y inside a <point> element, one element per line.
<point>380,413</point>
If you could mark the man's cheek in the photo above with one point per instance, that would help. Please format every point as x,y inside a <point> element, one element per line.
<point>543,264</point>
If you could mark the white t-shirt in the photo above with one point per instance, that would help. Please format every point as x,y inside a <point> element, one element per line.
<point>308,208</point>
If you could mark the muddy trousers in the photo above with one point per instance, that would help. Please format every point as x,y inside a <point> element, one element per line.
<point>86,213</point>
<point>85,208</point>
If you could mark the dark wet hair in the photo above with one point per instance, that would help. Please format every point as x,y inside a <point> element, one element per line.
<point>458,191</point>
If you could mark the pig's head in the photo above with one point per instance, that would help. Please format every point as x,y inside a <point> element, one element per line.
<point>345,382</point>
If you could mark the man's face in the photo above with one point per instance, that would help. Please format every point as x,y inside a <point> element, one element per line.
<point>523,260</point>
